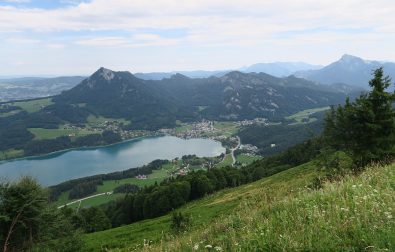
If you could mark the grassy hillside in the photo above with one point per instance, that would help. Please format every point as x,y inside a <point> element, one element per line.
<point>278,213</point>
<point>203,211</point>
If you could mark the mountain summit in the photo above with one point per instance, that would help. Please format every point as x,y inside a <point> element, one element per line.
<point>349,69</point>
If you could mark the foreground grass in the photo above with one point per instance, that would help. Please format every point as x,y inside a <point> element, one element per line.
<point>356,214</point>
<point>203,212</point>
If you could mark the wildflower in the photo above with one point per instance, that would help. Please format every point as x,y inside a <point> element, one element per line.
<point>208,246</point>
<point>196,247</point>
<point>217,248</point>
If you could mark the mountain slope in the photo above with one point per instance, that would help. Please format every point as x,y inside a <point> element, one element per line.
<point>122,95</point>
<point>350,70</point>
<point>275,213</point>
<point>235,96</point>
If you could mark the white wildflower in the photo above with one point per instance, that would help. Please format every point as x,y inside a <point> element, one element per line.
<point>218,248</point>
<point>208,246</point>
<point>196,247</point>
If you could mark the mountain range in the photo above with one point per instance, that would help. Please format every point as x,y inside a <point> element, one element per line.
<point>153,104</point>
<point>350,70</point>
<point>347,74</point>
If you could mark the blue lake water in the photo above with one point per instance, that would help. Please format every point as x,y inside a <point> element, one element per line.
<point>58,167</point>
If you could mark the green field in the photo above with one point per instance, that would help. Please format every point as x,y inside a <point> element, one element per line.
<point>96,120</point>
<point>227,128</point>
<point>305,115</point>
<point>9,154</point>
<point>183,128</point>
<point>10,113</point>
<point>33,105</point>
<point>40,133</point>
<point>226,162</point>
<point>246,159</point>
<point>278,213</point>
<point>110,185</point>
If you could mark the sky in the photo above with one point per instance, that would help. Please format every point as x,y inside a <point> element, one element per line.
<point>74,37</point>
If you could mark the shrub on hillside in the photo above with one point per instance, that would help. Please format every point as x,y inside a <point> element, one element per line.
<point>180,222</point>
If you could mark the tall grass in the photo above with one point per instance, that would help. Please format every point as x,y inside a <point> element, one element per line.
<point>355,214</point>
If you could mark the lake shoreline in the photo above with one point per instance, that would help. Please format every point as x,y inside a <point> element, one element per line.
<point>57,167</point>
<point>77,148</point>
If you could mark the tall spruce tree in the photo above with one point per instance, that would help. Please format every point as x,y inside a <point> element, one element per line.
<point>365,128</point>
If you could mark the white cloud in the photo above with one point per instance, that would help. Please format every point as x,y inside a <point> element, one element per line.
<point>310,30</point>
<point>103,41</point>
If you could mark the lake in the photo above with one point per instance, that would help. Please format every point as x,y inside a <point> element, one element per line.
<point>61,166</point>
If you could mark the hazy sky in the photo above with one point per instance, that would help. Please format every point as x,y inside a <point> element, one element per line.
<point>64,37</point>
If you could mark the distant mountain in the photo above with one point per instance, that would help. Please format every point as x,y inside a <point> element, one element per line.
<point>153,104</point>
<point>34,87</point>
<point>280,69</point>
<point>190,74</point>
<point>122,95</point>
<point>349,70</point>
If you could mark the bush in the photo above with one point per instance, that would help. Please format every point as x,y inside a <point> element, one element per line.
<point>336,164</point>
<point>180,222</point>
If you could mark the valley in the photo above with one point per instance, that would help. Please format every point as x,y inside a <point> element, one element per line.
<point>222,177</point>
<point>204,126</point>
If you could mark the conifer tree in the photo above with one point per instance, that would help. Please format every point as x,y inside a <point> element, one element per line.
<point>364,128</point>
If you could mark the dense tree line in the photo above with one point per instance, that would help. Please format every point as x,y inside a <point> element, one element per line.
<point>126,188</point>
<point>13,132</point>
<point>84,189</point>
<point>159,199</point>
<point>37,147</point>
<point>283,135</point>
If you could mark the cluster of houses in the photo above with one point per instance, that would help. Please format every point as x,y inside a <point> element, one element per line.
<point>141,177</point>
<point>260,121</point>
<point>249,149</point>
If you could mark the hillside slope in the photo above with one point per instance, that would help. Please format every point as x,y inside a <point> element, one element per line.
<point>202,211</point>
<point>278,213</point>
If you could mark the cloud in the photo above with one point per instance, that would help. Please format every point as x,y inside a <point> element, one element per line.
<point>246,30</point>
<point>229,17</point>
<point>103,41</point>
